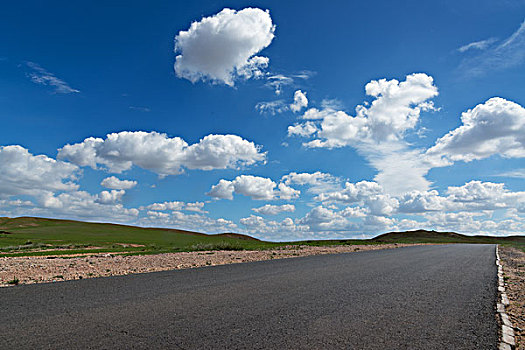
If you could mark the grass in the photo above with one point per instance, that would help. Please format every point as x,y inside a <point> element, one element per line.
<point>27,236</point>
<point>217,246</point>
<point>38,236</point>
<point>14,281</point>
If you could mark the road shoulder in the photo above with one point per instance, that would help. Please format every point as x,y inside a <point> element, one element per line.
<point>513,261</point>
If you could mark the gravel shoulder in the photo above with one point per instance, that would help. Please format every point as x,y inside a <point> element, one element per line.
<point>42,269</point>
<point>513,261</point>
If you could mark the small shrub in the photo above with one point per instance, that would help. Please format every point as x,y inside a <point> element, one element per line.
<point>14,281</point>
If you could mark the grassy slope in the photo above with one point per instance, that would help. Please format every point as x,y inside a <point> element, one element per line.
<point>26,233</point>
<point>29,233</point>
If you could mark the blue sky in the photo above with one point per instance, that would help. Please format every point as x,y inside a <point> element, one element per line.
<point>284,121</point>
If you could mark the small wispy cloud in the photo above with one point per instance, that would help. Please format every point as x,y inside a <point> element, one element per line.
<point>509,53</point>
<point>279,81</point>
<point>333,103</point>
<point>518,174</point>
<point>478,45</point>
<point>272,107</point>
<point>300,101</point>
<point>140,109</point>
<point>41,76</point>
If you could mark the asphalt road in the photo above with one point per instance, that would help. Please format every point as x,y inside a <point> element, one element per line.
<point>425,297</point>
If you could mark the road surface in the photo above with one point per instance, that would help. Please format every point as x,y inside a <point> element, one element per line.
<point>421,297</point>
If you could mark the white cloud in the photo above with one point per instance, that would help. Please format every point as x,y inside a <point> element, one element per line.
<point>195,207</point>
<point>352,192</point>
<point>223,190</point>
<point>278,81</point>
<point>41,76</point>
<point>400,169</point>
<point>508,53</point>
<point>421,201</point>
<point>79,205</point>
<point>316,114</point>
<point>254,222</point>
<point>286,192</point>
<point>381,205</point>
<point>115,183</point>
<point>323,219</point>
<point>110,197</point>
<point>161,154</point>
<point>472,223</point>
<point>395,109</point>
<point>333,103</point>
<point>255,187</point>
<point>299,101</point>
<point>270,209</point>
<point>459,222</point>
<point>496,127</point>
<point>22,173</point>
<point>15,203</point>
<point>286,229</point>
<point>279,106</point>
<point>303,129</point>
<point>191,222</point>
<point>223,47</point>
<point>477,195</point>
<point>175,206</point>
<point>365,193</point>
<point>378,129</point>
<point>272,107</point>
<point>354,212</point>
<point>465,209</point>
<point>477,45</point>
<point>317,182</point>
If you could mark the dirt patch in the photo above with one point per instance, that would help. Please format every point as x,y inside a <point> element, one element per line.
<point>49,269</point>
<point>126,245</point>
<point>50,250</point>
<point>513,261</point>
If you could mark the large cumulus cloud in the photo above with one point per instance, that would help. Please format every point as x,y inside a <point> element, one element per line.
<point>224,47</point>
<point>161,154</point>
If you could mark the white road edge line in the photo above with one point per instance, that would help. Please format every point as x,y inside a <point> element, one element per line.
<point>507,332</point>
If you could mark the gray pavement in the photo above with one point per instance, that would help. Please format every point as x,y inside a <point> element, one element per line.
<point>424,297</point>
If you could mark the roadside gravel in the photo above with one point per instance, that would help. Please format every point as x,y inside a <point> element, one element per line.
<point>40,269</point>
<point>513,261</point>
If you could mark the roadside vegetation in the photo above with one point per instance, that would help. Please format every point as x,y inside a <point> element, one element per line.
<point>28,236</point>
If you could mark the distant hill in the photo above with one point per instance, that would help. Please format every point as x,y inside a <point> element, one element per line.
<point>30,233</point>
<point>424,236</point>
<point>29,222</point>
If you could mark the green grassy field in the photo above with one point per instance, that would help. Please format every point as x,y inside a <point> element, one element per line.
<point>26,234</point>
<point>39,236</point>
